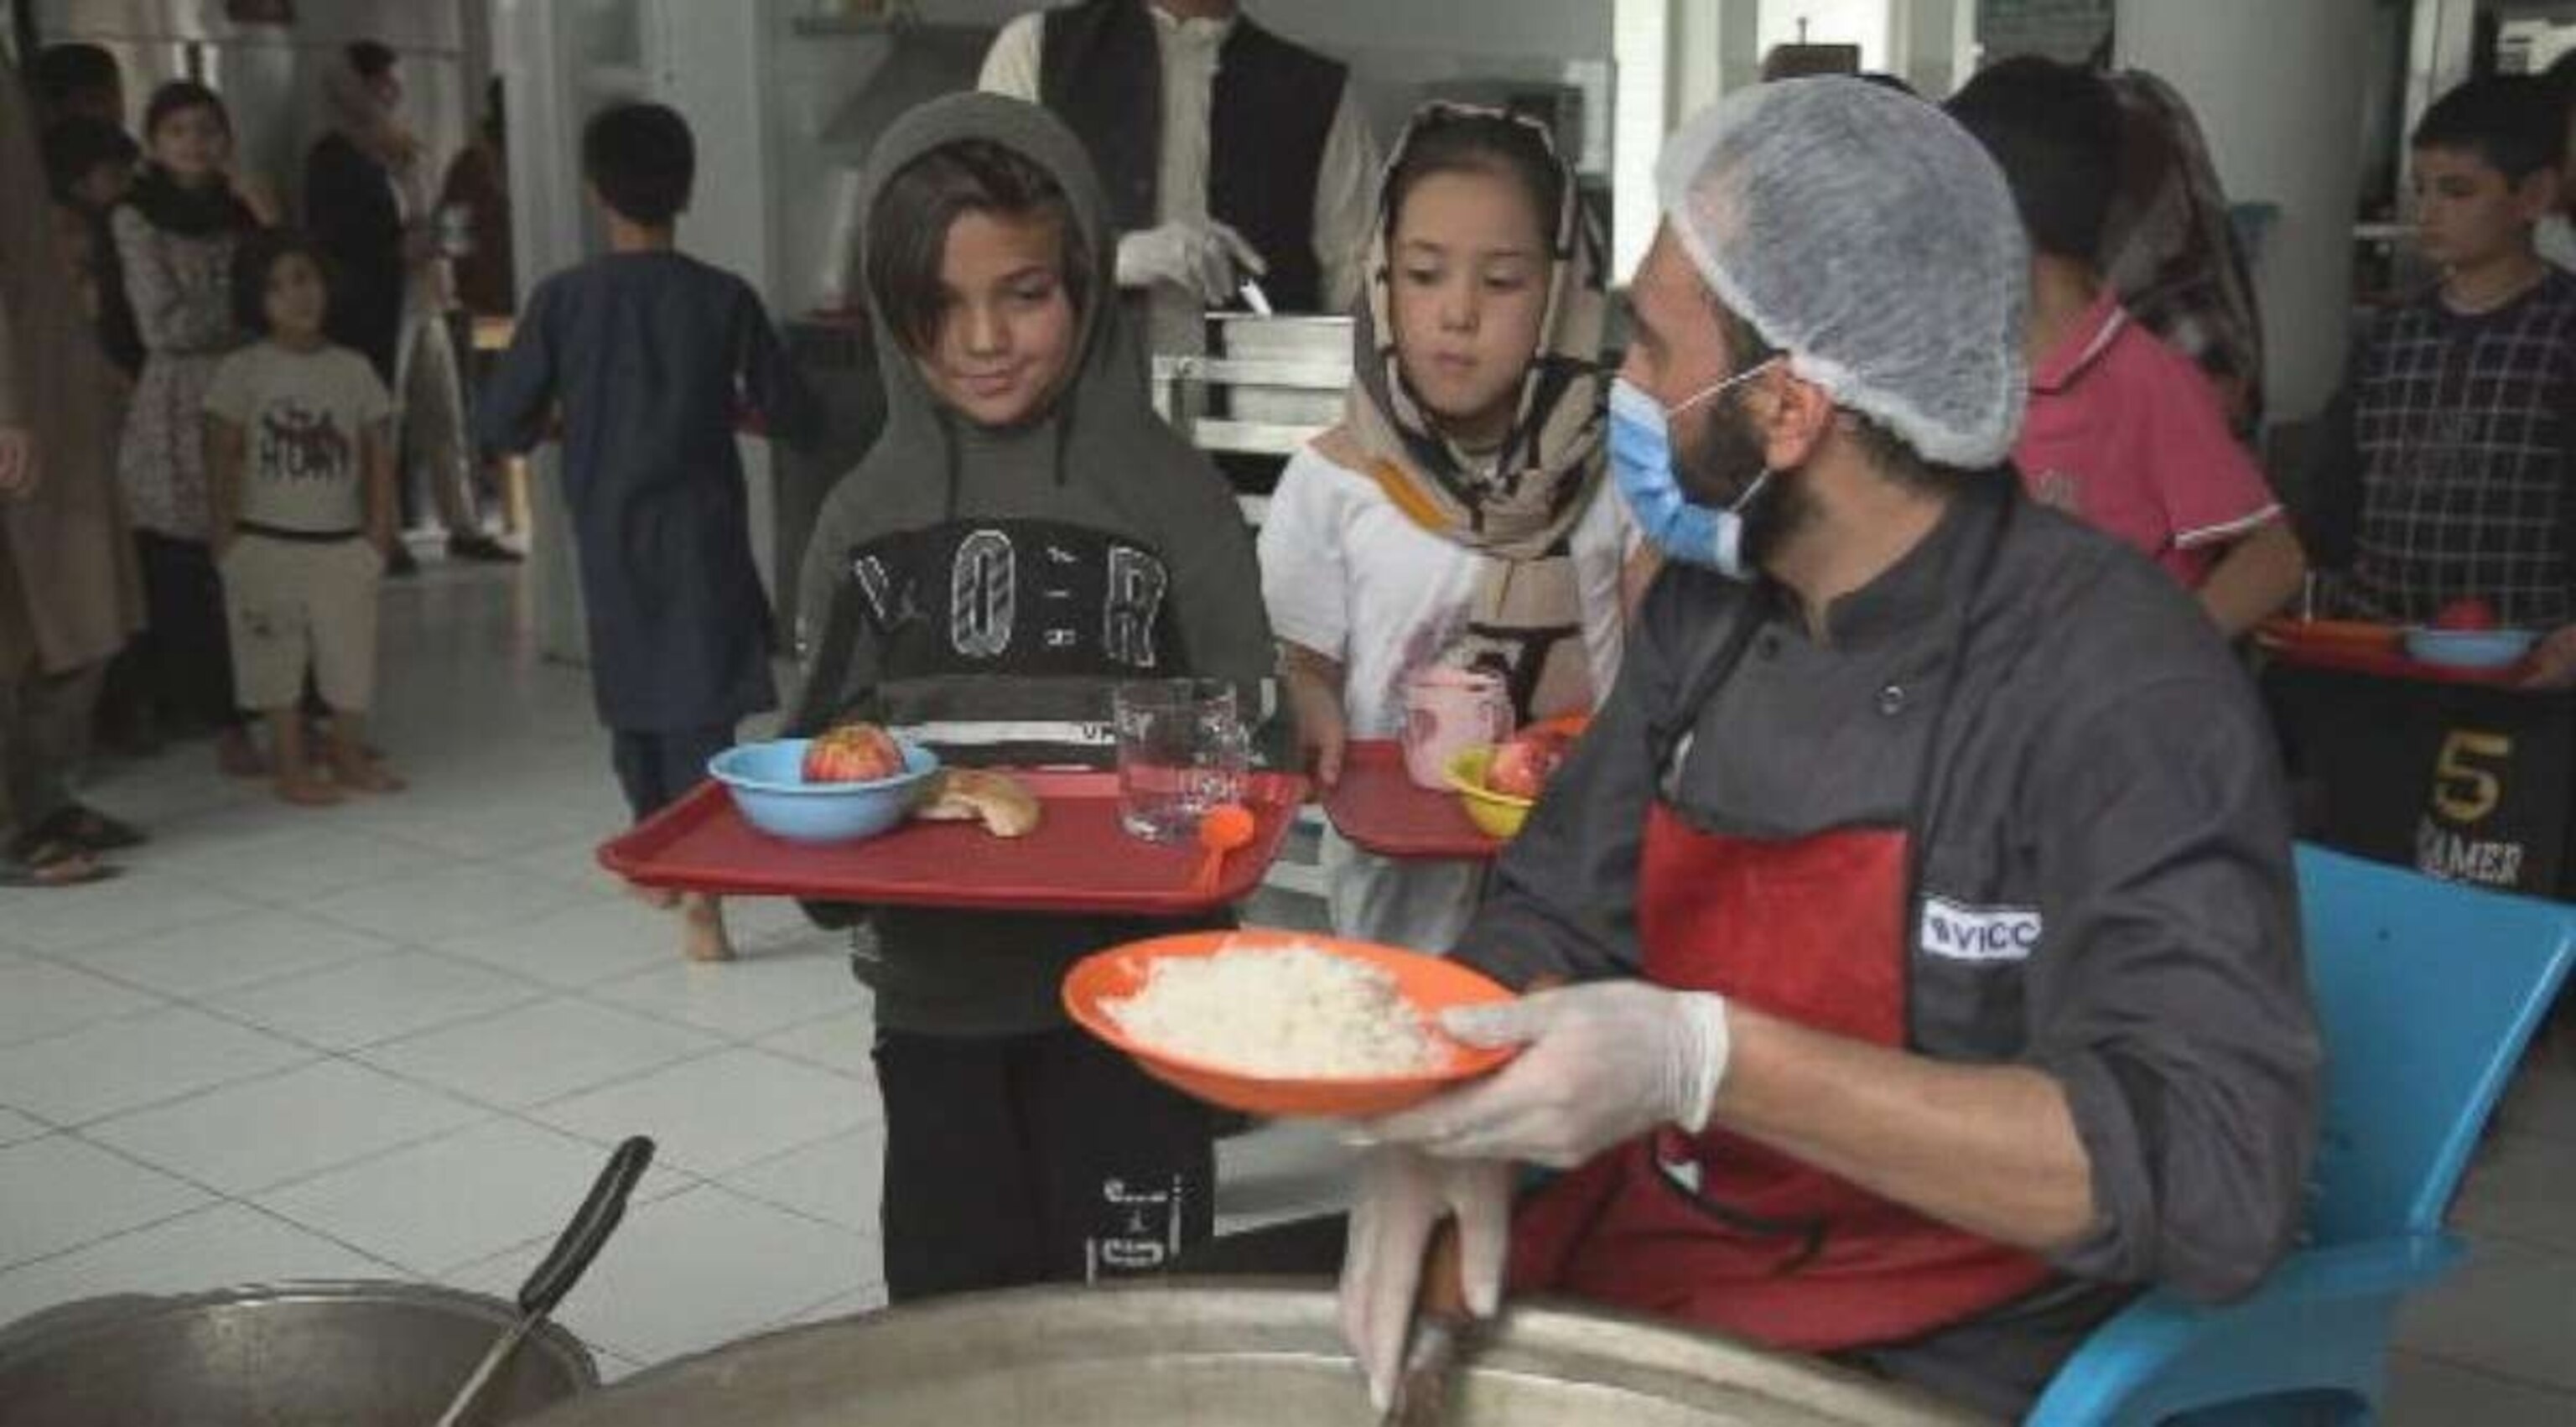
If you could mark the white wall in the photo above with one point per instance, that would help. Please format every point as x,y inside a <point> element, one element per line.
<point>2279,134</point>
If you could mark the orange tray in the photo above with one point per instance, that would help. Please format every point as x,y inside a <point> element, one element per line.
<point>2349,655</point>
<point>1382,810</point>
<point>1430,983</point>
<point>1079,860</point>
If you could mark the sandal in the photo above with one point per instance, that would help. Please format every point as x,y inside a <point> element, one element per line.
<point>54,864</point>
<point>90,830</point>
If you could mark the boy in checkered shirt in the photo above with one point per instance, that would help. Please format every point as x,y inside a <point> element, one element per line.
<point>2448,469</point>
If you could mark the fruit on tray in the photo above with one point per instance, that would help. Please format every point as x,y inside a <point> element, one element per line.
<point>981,795</point>
<point>852,753</point>
<point>2466,616</point>
<point>1524,762</point>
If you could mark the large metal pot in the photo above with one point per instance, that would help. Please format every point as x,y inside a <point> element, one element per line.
<point>291,1355</point>
<point>1207,1356</point>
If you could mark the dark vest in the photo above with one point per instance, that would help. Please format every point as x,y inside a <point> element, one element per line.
<point>1272,106</point>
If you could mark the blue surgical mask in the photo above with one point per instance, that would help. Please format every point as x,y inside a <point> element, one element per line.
<point>1641,458</point>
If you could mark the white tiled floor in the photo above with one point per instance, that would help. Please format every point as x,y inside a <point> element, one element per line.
<point>396,1039</point>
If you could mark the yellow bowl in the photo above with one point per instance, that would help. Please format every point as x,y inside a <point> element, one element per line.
<point>1496,815</point>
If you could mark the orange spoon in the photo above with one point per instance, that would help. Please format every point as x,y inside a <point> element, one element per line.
<point>1222,829</point>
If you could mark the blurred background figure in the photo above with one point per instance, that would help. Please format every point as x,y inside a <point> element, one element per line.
<point>474,231</point>
<point>366,201</point>
<point>2171,252</point>
<point>78,81</point>
<point>69,592</point>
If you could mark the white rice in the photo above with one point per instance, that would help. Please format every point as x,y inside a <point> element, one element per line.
<point>1285,1012</point>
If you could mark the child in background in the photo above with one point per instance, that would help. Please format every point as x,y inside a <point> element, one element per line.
<point>1457,515</point>
<point>2447,465</point>
<point>653,357</point>
<point>175,235</point>
<point>2122,432</point>
<point>1024,536</point>
<point>299,461</point>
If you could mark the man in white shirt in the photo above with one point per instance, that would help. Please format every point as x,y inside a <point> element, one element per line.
<point>1248,157</point>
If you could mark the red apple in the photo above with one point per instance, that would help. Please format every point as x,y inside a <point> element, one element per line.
<point>853,753</point>
<point>2467,615</point>
<point>1524,762</point>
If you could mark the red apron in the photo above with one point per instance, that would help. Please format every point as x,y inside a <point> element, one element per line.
<point>1715,1229</point>
<point>1765,1247</point>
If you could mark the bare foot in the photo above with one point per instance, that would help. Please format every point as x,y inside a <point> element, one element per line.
<point>368,776</point>
<point>702,929</point>
<point>307,791</point>
<point>237,756</point>
<point>660,899</point>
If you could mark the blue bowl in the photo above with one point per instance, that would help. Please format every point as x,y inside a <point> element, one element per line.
<point>767,781</point>
<point>2470,648</point>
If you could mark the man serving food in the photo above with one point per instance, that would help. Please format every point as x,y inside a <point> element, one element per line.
<point>1926,882</point>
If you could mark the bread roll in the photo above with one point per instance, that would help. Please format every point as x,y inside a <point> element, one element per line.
<point>980,795</point>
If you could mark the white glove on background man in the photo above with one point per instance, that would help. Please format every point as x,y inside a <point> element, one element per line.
<point>1603,1063</point>
<point>1200,255</point>
<point>1403,1196</point>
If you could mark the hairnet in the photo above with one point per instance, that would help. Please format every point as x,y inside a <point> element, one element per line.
<point>1870,238</point>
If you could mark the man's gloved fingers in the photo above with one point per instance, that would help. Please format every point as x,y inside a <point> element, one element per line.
<point>1526,1134</point>
<point>1381,1273</point>
<point>1212,277</point>
<point>1502,1023</point>
<point>1431,1122</point>
<point>1245,255</point>
<point>1484,1240</point>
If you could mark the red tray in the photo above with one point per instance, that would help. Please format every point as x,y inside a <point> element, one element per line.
<point>2353,658</point>
<point>1078,860</point>
<point>1382,810</point>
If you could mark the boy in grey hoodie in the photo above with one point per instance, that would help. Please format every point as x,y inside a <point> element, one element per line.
<point>1025,535</point>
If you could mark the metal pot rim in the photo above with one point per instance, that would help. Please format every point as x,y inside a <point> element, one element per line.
<point>817,1371</point>
<point>62,1326</point>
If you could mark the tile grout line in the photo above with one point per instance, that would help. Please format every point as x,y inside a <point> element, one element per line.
<point>217,1198</point>
<point>197,999</point>
<point>2488,1371</point>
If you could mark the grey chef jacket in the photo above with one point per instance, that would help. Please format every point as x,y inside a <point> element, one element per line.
<point>2105,887</point>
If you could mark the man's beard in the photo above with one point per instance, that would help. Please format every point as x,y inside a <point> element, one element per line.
<point>1726,461</point>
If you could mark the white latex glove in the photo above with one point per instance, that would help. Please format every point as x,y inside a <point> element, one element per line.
<point>1201,256</point>
<point>1604,1063</point>
<point>17,460</point>
<point>1403,1196</point>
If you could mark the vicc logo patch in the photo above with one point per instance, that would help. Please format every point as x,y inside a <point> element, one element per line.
<point>1955,931</point>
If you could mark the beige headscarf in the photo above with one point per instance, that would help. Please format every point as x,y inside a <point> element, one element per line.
<point>1517,508</point>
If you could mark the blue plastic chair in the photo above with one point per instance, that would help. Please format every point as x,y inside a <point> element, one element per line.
<point>2426,993</point>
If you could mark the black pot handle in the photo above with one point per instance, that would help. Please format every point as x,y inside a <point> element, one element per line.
<point>589,1229</point>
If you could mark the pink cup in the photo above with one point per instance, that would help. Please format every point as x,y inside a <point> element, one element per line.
<point>1446,710</point>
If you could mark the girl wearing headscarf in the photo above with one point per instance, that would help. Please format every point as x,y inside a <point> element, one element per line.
<point>1025,535</point>
<point>175,236</point>
<point>2171,252</point>
<point>1457,515</point>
